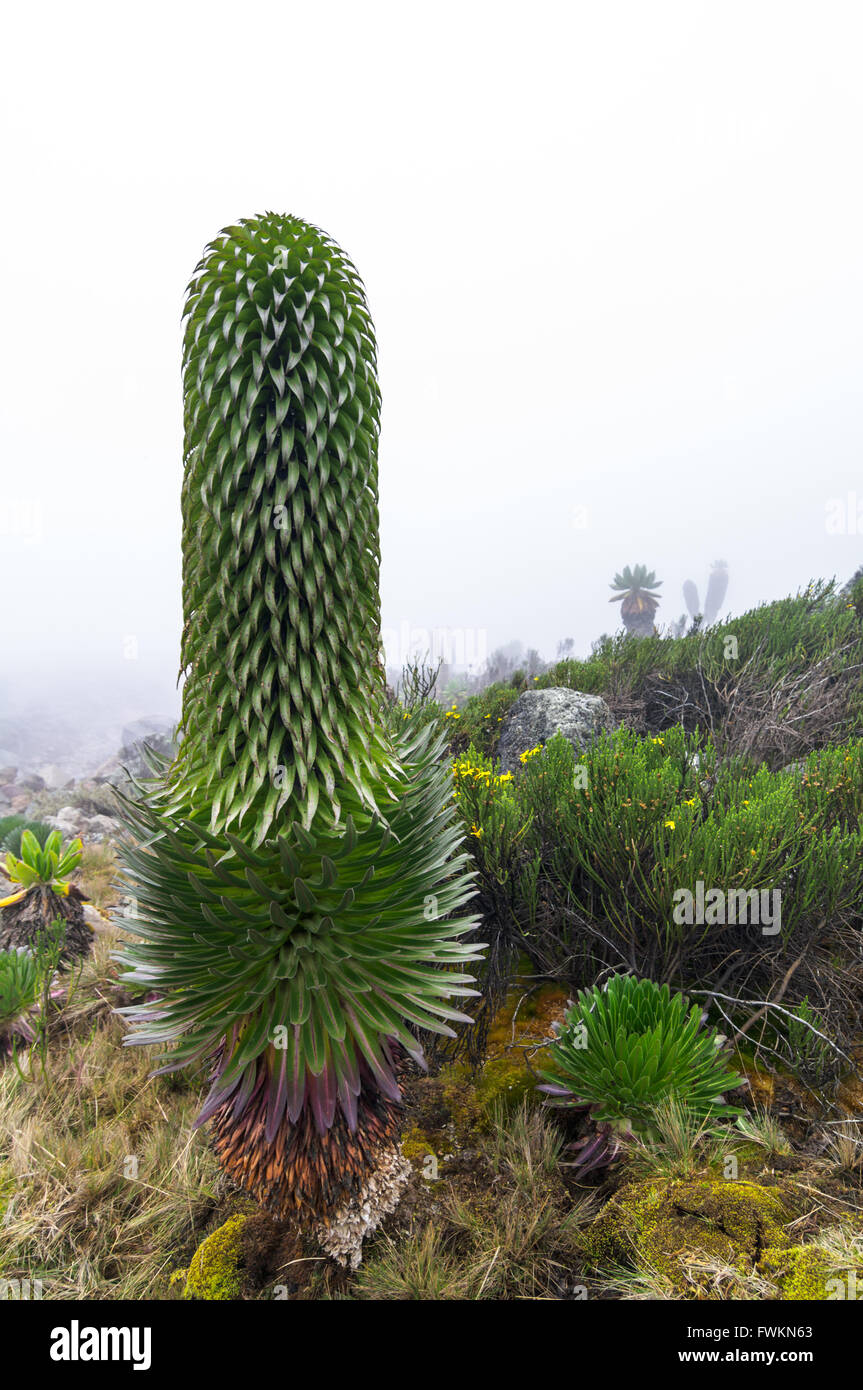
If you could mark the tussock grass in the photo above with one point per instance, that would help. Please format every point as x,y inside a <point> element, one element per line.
<point>844,1148</point>
<point>681,1145</point>
<point>421,1267</point>
<point>841,1246</point>
<point>760,1127</point>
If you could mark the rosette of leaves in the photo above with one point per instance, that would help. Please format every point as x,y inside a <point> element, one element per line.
<point>45,895</point>
<point>20,982</point>
<point>625,1049</point>
<point>637,598</point>
<point>297,869</point>
<point>49,865</point>
<point>12,828</point>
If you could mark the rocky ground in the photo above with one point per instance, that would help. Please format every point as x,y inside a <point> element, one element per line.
<point>82,806</point>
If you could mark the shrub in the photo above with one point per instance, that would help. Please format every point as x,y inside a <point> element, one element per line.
<point>790,681</point>
<point>807,1046</point>
<point>585,864</point>
<point>480,718</point>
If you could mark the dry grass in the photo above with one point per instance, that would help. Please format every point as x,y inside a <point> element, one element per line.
<point>103,1182</point>
<point>514,1237</point>
<point>844,1148</point>
<point>760,1127</point>
<point>97,874</point>
<point>842,1246</point>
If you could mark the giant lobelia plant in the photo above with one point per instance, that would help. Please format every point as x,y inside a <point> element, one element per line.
<point>297,868</point>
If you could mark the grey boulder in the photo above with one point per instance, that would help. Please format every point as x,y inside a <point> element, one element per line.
<point>537,715</point>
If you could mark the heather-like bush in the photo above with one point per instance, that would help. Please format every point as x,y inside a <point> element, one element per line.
<point>651,855</point>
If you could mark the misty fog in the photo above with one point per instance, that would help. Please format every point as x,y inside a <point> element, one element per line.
<point>612,256</point>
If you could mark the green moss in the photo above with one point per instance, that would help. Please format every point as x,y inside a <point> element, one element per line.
<point>505,1079</point>
<point>215,1272</point>
<point>658,1222</point>
<point>526,1014</point>
<point>416,1146</point>
<point>502,1084</point>
<point>473,1101</point>
<point>801,1271</point>
<point>458,1092</point>
<point>749,1152</point>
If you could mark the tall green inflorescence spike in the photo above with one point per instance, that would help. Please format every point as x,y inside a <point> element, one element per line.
<point>297,869</point>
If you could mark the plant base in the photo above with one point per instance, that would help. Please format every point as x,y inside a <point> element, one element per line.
<point>303,1170</point>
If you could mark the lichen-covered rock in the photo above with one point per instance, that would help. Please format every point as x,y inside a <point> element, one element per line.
<point>664,1224</point>
<point>538,714</point>
<point>216,1269</point>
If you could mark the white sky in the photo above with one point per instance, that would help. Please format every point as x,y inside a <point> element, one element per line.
<point>612,251</point>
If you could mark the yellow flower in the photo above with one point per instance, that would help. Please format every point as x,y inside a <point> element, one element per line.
<point>476,830</point>
<point>691,802</point>
<point>669,825</point>
<point>529,753</point>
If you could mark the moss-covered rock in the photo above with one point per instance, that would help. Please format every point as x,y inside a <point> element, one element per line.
<point>800,1272</point>
<point>416,1146</point>
<point>216,1269</point>
<point>247,1254</point>
<point>659,1223</point>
